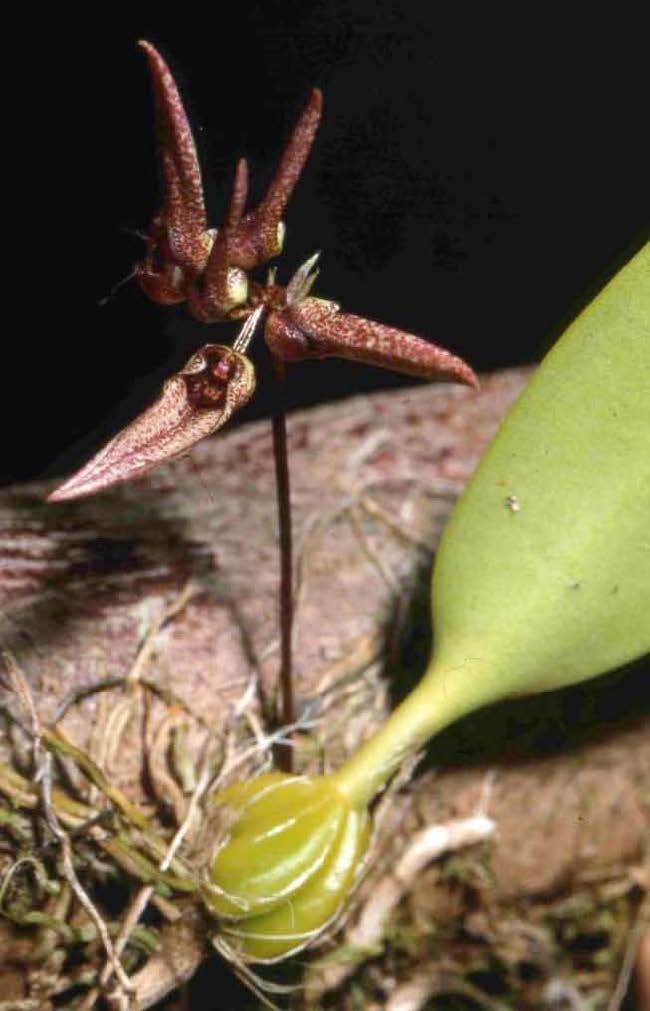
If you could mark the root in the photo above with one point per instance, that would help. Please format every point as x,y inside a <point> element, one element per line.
<point>637,956</point>
<point>108,819</point>
<point>414,995</point>
<point>43,776</point>
<point>363,937</point>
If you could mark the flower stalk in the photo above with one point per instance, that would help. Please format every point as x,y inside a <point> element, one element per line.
<point>283,750</point>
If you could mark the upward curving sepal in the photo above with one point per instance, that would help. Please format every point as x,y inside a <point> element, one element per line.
<point>183,208</point>
<point>178,239</point>
<point>260,234</point>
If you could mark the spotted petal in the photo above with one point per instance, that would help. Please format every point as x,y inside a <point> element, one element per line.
<point>183,208</point>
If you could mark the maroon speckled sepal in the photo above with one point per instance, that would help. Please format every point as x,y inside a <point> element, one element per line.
<point>315,328</point>
<point>194,403</point>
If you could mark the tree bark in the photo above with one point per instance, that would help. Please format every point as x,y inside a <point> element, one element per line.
<point>373,480</point>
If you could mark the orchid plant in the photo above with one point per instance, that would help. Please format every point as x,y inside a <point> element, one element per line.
<point>542,579</point>
<point>208,269</point>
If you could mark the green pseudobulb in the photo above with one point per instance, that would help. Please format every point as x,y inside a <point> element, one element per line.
<point>292,854</point>
<point>542,580</point>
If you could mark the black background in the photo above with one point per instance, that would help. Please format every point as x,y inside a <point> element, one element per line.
<point>477,176</point>
<point>475,179</point>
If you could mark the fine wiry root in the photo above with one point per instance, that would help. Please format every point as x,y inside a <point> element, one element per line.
<point>103,817</point>
<point>43,775</point>
<point>431,981</point>
<point>143,896</point>
<point>363,937</point>
<point>129,836</point>
<point>635,960</point>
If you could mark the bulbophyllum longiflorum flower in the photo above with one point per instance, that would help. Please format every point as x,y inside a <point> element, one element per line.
<point>187,261</point>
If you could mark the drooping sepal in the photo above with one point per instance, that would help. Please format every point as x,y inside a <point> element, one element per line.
<point>194,403</point>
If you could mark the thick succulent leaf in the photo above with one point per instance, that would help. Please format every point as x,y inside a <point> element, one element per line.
<point>543,575</point>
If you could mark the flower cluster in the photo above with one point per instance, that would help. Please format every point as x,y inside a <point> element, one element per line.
<point>209,269</point>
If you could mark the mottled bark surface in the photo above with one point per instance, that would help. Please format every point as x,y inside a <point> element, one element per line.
<point>550,904</point>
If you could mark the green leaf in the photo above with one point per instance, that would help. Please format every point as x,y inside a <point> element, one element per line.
<point>543,574</point>
<point>542,577</point>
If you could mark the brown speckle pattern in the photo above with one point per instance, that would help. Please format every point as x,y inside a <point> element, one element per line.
<point>313,328</point>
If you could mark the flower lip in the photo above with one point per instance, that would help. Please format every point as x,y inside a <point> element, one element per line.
<point>207,386</point>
